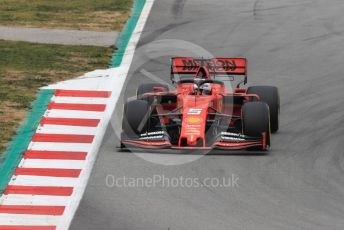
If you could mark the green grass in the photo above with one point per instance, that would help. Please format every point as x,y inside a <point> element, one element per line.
<point>24,67</point>
<point>102,15</point>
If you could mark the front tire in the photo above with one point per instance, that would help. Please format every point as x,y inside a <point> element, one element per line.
<point>135,118</point>
<point>256,120</point>
<point>269,95</point>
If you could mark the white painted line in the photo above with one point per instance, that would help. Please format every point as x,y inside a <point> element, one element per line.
<point>43,181</point>
<point>47,146</point>
<point>61,129</point>
<point>60,164</point>
<point>14,199</point>
<point>73,114</point>
<point>80,100</point>
<point>19,219</point>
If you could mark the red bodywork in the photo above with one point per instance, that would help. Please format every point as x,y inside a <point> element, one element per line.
<point>196,110</point>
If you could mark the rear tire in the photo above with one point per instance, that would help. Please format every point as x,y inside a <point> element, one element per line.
<point>135,117</point>
<point>148,88</point>
<point>269,95</point>
<point>256,120</point>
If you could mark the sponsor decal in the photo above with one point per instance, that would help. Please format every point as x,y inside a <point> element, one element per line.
<point>193,132</point>
<point>189,126</point>
<point>236,139</point>
<point>233,134</point>
<point>194,120</point>
<point>152,133</point>
<point>152,138</point>
<point>211,64</point>
<point>159,135</point>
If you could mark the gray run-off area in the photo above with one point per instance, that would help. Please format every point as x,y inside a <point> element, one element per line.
<point>58,36</point>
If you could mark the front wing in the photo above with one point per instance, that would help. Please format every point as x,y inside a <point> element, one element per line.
<point>224,141</point>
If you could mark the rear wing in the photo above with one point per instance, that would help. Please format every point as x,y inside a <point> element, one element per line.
<point>221,66</point>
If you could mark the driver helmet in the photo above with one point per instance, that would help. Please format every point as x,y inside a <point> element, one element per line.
<point>206,89</point>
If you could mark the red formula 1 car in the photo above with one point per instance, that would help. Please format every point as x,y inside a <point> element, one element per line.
<point>201,114</point>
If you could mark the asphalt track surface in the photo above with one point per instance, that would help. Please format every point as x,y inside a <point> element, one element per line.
<point>296,45</point>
